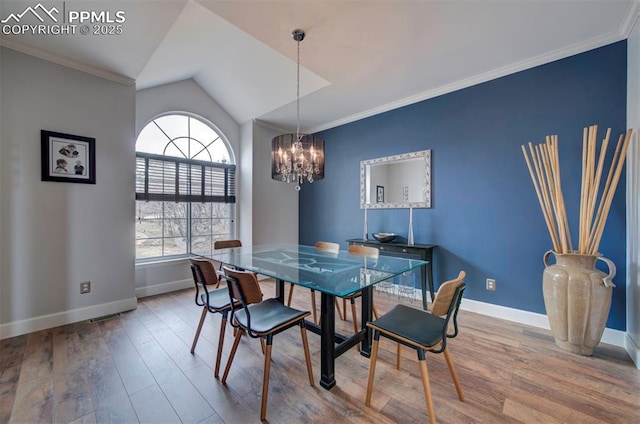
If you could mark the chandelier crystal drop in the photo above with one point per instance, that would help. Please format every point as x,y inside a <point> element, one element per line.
<point>297,158</point>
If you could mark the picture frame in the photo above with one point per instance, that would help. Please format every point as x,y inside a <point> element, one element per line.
<point>379,194</point>
<point>68,158</point>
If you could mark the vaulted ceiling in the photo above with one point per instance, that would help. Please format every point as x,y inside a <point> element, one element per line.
<point>358,58</point>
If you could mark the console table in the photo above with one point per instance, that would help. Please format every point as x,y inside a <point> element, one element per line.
<point>417,251</point>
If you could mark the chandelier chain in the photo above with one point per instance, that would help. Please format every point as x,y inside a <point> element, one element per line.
<point>298,95</point>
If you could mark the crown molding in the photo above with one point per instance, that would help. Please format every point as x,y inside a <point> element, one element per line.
<point>65,61</point>
<point>612,37</point>
<point>630,18</point>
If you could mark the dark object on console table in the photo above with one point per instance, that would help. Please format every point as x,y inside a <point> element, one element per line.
<point>384,237</point>
<point>402,249</point>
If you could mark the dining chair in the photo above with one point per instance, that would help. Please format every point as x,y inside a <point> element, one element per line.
<point>328,247</point>
<point>214,301</point>
<point>324,246</point>
<point>260,319</point>
<point>367,252</point>
<point>424,332</point>
<point>225,244</point>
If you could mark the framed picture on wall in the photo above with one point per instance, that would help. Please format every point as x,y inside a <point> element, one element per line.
<point>379,194</point>
<point>68,158</point>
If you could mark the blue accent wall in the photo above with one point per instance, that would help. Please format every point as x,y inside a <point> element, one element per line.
<point>485,215</point>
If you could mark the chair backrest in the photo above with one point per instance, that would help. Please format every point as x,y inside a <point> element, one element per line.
<point>204,272</point>
<point>243,286</point>
<point>447,303</point>
<point>224,244</point>
<point>445,295</point>
<point>370,252</point>
<point>328,246</point>
<point>243,290</point>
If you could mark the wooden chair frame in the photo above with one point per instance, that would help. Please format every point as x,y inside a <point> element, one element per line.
<point>439,347</point>
<point>241,298</point>
<point>204,300</point>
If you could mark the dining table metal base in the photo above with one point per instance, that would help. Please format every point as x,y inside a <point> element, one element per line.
<point>334,275</point>
<point>333,344</point>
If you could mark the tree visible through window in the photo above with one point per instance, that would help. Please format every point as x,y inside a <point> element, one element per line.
<point>200,185</point>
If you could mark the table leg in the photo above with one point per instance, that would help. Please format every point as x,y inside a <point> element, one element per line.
<point>429,267</point>
<point>423,287</point>
<point>367,303</point>
<point>280,290</point>
<point>327,341</point>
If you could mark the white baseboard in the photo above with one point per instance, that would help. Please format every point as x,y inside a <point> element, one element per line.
<point>632,349</point>
<point>163,288</point>
<point>17,328</point>
<point>610,336</point>
<point>31,325</point>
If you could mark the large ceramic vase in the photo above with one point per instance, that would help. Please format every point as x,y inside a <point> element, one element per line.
<point>577,297</point>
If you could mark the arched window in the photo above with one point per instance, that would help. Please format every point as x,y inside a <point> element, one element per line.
<point>185,188</point>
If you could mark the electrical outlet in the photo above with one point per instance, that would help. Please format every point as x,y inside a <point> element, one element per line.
<point>85,287</point>
<point>491,284</point>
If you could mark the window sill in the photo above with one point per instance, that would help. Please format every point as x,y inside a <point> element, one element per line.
<point>152,263</point>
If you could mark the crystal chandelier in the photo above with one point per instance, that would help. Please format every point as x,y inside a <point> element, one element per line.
<point>297,158</point>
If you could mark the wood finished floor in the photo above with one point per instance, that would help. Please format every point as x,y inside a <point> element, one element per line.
<point>137,368</point>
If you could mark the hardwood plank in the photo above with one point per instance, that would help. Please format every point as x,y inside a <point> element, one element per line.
<point>7,396</point>
<point>12,350</point>
<point>134,327</point>
<point>228,405</point>
<point>172,345</point>
<point>181,394</point>
<point>543,411</point>
<point>152,407</point>
<point>132,370</point>
<point>110,399</point>
<point>38,356</point>
<point>10,374</point>
<point>33,401</point>
<point>594,403</point>
<point>72,397</point>
<point>87,419</point>
<point>137,367</point>
<point>334,405</point>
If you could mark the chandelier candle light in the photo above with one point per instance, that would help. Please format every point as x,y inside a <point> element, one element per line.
<point>297,157</point>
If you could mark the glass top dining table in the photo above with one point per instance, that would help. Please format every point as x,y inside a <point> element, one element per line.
<point>333,274</point>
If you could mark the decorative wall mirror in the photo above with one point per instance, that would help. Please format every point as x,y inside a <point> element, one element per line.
<point>400,181</point>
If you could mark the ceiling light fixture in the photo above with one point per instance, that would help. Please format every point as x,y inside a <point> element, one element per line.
<point>297,157</point>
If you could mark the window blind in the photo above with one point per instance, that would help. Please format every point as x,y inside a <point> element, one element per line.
<point>165,178</point>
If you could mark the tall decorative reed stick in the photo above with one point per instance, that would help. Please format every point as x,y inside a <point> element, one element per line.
<point>543,162</point>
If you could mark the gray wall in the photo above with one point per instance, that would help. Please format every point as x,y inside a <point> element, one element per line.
<point>55,235</point>
<point>275,204</point>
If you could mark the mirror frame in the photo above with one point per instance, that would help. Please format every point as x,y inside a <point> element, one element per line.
<point>426,187</point>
